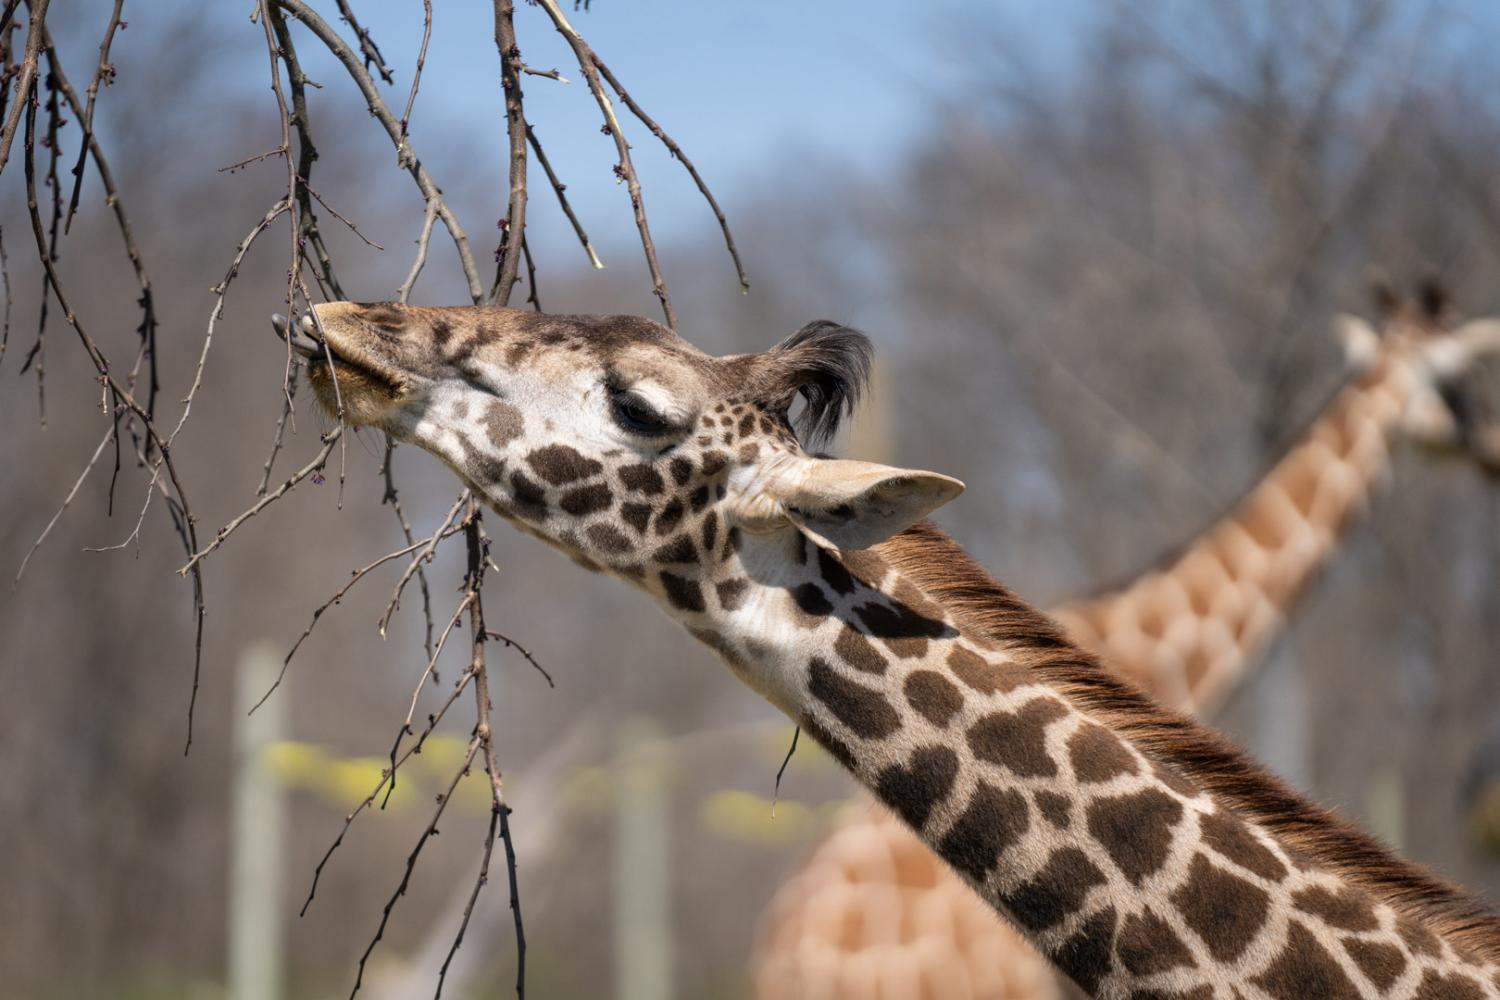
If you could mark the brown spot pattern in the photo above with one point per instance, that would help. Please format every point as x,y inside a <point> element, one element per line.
<point>529,496</point>
<point>813,603</point>
<point>1058,809</point>
<point>682,470</point>
<point>1148,944</point>
<point>1136,830</point>
<point>637,515</point>
<point>605,537</point>
<point>904,631</point>
<point>1304,969</point>
<point>1098,754</point>
<point>932,694</point>
<point>710,531</point>
<point>858,652</point>
<point>994,819</point>
<point>1348,910</point>
<point>1085,956</point>
<point>977,672</point>
<point>829,742</point>
<point>864,710</point>
<point>682,592</point>
<point>559,464</point>
<point>668,516</point>
<point>714,463</point>
<point>1232,839</point>
<point>1223,909</point>
<point>586,499</point>
<point>731,593</point>
<point>642,479</point>
<point>1017,740</point>
<point>503,423</point>
<point>1174,780</point>
<point>1058,890</point>
<point>678,550</point>
<point>1382,964</point>
<point>1418,938</point>
<point>913,790</point>
<point>834,573</point>
<point>1455,987</point>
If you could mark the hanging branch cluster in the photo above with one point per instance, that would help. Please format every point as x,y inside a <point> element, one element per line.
<point>38,102</point>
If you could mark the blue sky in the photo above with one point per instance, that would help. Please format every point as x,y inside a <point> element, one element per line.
<point>752,91</point>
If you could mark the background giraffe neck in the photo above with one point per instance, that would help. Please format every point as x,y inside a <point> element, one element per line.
<point>1187,631</point>
<point>1074,806</point>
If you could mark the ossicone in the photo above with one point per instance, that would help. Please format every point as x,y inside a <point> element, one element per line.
<point>828,364</point>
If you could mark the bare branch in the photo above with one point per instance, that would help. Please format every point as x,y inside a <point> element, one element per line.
<point>382,113</point>
<point>320,460</point>
<point>562,199</point>
<point>681,157</point>
<point>508,256</point>
<point>102,72</point>
<point>36,16</point>
<point>108,437</point>
<point>624,168</point>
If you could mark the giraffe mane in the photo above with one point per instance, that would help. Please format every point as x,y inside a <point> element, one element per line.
<point>938,565</point>
<point>825,362</point>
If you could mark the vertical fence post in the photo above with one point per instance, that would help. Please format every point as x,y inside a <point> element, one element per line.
<point>643,886</point>
<point>256,835</point>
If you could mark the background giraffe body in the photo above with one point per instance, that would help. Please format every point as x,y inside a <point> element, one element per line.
<point>1121,840</point>
<point>1186,632</point>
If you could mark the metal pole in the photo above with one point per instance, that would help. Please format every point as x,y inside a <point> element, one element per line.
<point>642,915</point>
<point>255,939</point>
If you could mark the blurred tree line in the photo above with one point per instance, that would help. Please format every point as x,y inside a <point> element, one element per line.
<point>1102,283</point>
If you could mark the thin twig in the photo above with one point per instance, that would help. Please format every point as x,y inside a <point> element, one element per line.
<point>416,76</point>
<point>177,505</point>
<point>511,643</point>
<point>103,72</point>
<point>387,775</point>
<point>411,862</point>
<point>317,614</point>
<point>425,556</point>
<point>320,460</point>
<point>508,256</point>
<point>393,499</point>
<point>562,198</point>
<point>108,436</point>
<point>624,168</point>
<point>406,158</point>
<point>36,18</point>
<point>477,546</point>
<point>677,154</point>
<point>367,45</point>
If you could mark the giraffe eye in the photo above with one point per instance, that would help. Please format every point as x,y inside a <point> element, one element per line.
<point>636,415</point>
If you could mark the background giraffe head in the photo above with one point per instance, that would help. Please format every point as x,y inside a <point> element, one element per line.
<point>1452,407</point>
<point>614,439</point>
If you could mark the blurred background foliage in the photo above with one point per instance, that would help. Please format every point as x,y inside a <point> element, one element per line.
<point>1100,252</point>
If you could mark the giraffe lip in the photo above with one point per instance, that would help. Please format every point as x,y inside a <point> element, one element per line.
<point>302,338</point>
<point>305,341</point>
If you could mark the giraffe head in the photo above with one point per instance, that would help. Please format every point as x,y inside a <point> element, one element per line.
<point>1448,408</point>
<point>612,438</point>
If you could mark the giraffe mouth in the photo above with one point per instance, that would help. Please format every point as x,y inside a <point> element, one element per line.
<point>320,352</point>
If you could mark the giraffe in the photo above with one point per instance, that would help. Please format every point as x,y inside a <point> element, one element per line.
<point>871,903</point>
<point>1139,852</point>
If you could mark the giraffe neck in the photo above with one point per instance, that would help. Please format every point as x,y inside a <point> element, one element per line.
<point>1188,630</point>
<point>1013,761</point>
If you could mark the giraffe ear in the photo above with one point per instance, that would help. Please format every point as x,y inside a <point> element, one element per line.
<point>852,505</point>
